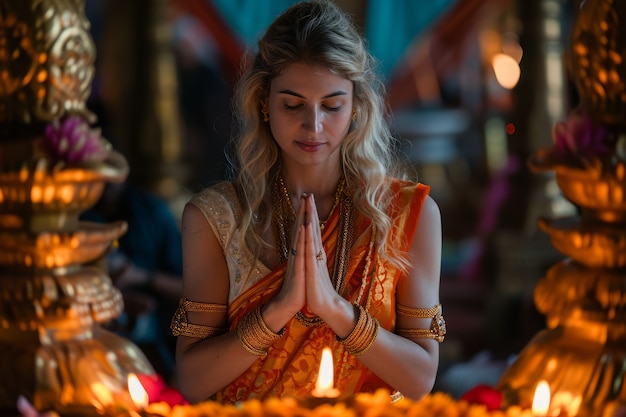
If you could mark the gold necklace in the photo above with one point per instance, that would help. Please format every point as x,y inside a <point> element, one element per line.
<point>286,203</point>
<point>284,217</point>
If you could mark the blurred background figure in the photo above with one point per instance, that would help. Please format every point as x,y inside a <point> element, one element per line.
<point>146,266</point>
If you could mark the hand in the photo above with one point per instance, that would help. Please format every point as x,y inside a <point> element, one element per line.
<point>319,287</point>
<point>292,294</point>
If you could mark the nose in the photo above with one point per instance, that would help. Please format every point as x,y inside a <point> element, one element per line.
<point>313,119</point>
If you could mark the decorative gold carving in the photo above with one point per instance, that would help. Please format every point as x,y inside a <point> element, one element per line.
<point>599,191</point>
<point>46,60</point>
<point>595,245</point>
<point>598,57</point>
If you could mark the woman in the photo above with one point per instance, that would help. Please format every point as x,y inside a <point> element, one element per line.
<point>314,243</point>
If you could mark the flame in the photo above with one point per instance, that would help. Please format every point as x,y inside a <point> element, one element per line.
<point>324,386</point>
<point>137,392</point>
<point>541,399</point>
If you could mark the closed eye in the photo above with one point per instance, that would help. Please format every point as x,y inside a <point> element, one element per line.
<point>296,107</point>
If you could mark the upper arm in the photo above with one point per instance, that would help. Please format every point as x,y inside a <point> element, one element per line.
<point>205,271</point>
<point>419,288</point>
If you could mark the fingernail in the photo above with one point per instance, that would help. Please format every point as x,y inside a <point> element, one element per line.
<point>304,195</point>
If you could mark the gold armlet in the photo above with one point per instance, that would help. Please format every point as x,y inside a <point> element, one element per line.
<point>187,305</point>
<point>181,327</point>
<point>437,329</point>
<point>419,313</point>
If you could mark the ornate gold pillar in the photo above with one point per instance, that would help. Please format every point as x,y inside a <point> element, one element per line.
<point>582,352</point>
<point>53,166</point>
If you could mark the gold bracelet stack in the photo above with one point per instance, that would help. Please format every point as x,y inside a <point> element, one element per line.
<point>254,334</point>
<point>364,334</point>
<point>437,329</point>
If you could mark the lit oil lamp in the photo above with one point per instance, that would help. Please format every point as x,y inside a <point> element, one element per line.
<point>541,400</point>
<point>324,386</point>
<point>138,393</point>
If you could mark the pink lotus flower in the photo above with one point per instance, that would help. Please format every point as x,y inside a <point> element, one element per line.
<point>73,141</point>
<point>583,139</point>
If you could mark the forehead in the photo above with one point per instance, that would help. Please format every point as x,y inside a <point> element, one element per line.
<point>310,80</point>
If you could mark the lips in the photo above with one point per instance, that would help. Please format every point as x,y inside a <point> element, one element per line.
<point>310,146</point>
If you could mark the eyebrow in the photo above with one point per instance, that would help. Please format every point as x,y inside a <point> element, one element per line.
<point>334,94</point>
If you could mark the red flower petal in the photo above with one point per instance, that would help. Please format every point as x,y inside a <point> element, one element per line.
<point>485,395</point>
<point>159,391</point>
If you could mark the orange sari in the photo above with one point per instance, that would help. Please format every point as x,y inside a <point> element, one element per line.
<point>291,365</point>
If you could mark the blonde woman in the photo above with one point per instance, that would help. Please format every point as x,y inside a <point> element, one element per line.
<point>315,242</point>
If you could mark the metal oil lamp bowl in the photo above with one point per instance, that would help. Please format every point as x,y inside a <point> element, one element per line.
<point>53,299</point>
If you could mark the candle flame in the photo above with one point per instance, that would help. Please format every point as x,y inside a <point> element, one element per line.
<point>324,386</point>
<point>325,379</point>
<point>137,392</point>
<point>541,399</point>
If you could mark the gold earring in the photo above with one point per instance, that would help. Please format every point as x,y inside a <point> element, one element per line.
<point>266,114</point>
<point>354,115</point>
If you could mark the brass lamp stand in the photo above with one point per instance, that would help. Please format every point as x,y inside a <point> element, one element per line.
<point>53,301</point>
<point>582,353</point>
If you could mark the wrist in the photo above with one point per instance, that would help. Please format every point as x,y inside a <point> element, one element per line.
<point>341,316</point>
<point>274,316</point>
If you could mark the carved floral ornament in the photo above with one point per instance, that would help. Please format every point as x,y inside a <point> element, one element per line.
<point>46,60</point>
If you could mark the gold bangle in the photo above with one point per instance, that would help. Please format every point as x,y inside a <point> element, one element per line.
<point>254,334</point>
<point>364,334</point>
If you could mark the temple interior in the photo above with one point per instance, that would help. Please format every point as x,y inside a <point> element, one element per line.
<point>474,87</point>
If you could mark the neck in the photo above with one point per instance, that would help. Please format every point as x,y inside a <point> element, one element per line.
<point>321,184</point>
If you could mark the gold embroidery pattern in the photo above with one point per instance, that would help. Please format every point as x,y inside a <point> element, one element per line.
<point>220,205</point>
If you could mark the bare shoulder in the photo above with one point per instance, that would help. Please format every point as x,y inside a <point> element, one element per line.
<point>430,211</point>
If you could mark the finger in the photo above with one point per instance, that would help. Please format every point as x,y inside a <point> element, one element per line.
<point>300,256</point>
<point>317,231</point>
<point>314,214</point>
<point>310,266</point>
<point>302,209</point>
<point>300,220</point>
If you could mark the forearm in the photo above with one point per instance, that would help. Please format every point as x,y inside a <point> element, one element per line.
<point>205,367</point>
<point>405,365</point>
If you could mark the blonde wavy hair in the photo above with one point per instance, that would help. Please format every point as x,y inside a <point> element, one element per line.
<point>314,33</point>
